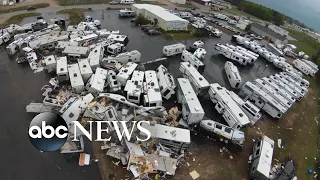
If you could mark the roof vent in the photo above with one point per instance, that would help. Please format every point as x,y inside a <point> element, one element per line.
<point>196,109</point>
<point>61,69</point>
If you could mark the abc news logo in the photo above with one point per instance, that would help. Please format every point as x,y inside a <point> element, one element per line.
<point>49,132</point>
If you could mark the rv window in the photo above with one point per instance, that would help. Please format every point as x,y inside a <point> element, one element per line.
<point>218,126</point>
<point>153,104</point>
<point>228,130</point>
<point>258,144</point>
<point>110,114</point>
<point>209,124</point>
<point>229,76</point>
<point>182,57</point>
<point>257,152</point>
<point>133,98</point>
<point>166,92</point>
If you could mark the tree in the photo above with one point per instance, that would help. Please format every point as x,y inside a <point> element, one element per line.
<point>248,28</point>
<point>278,18</point>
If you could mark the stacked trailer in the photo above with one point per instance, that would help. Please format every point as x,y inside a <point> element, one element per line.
<point>85,69</point>
<point>193,60</point>
<point>125,73</point>
<point>166,82</point>
<point>97,81</point>
<point>76,80</point>
<point>152,96</point>
<point>134,86</point>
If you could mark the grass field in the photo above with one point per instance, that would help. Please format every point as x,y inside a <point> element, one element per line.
<point>81,2</point>
<point>7,9</point>
<point>18,18</point>
<point>75,15</point>
<point>187,5</point>
<point>238,12</point>
<point>149,2</point>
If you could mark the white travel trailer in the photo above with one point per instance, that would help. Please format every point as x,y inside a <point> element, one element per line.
<point>290,90</point>
<point>174,49</point>
<point>302,88</point>
<point>83,39</point>
<point>134,86</point>
<point>192,110</point>
<point>125,72</point>
<point>301,92</point>
<point>115,49</point>
<point>298,78</point>
<point>63,44</point>
<point>194,61</point>
<point>124,58</point>
<point>166,82</point>
<point>200,53</point>
<point>225,133</point>
<point>199,83</point>
<point>76,80</point>
<point>232,54</point>
<point>14,47</point>
<point>119,38</point>
<point>152,96</point>
<point>126,1</point>
<point>85,69</point>
<point>232,74</point>
<point>261,159</point>
<point>251,55</point>
<point>311,64</point>
<point>307,70</point>
<point>97,81</point>
<point>126,13</point>
<point>279,89</point>
<point>51,63</point>
<point>216,32</point>
<point>252,111</point>
<point>273,93</point>
<point>4,36</point>
<point>95,57</point>
<point>75,52</point>
<point>226,106</point>
<point>62,69</point>
<point>263,100</point>
<point>198,44</point>
<point>113,84</point>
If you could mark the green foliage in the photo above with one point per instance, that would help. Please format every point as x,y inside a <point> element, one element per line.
<point>7,9</point>
<point>261,12</point>
<point>81,2</point>
<point>75,15</point>
<point>18,18</point>
<point>140,20</point>
<point>248,28</point>
<point>186,5</point>
<point>201,33</point>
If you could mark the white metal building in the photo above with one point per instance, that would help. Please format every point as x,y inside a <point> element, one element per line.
<point>165,20</point>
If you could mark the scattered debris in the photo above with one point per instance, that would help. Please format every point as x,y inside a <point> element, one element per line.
<point>194,174</point>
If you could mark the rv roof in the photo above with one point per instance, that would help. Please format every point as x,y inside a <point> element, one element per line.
<point>200,80</point>
<point>99,79</point>
<point>75,75</point>
<point>168,132</point>
<point>50,59</point>
<point>265,161</point>
<point>62,65</point>
<point>151,80</point>
<point>190,96</point>
<point>84,66</point>
<point>233,69</point>
<point>75,50</point>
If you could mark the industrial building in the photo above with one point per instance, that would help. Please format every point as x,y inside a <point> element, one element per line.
<point>278,30</point>
<point>265,31</point>
<point>161,17</point>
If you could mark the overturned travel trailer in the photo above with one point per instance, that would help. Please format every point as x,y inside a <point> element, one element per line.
<point>62,69</point>
<point>125,72</point>
<point>225,133</point>
<point>193,60</point>
<point>199,83</point>
<point>192,110</point>
<point>95,56</point>
<point>166,82</point>
<point>232,74</point>
<point>124,58</point>
<point>97,81</point>
<point>113,84</point>
<point>76,80</point>
<point>85,69</point>
<point>226,106</point>
<point>119,38</point>
<point>134,87</point>
<point>152,96</point>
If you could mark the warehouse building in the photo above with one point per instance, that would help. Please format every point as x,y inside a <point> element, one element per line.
<point>161,17</point>
<point>271,35</point>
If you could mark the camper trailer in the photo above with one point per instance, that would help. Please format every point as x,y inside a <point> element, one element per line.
<point>263,100</point>
<point>134,86</point>
<point>297,78</point>
<point>95,56</point>
<point>261,159</point>
<point>251,55</point>
<point>301,87</point>
<point>4,36</point>
<point>312,65</point>
<point>126,13</point>
<point>197,44</point>
<point>273,93</point>
<point>192,110</point>
<point>199,83</point>
<point>301,91</point>
<point>232,54</point>
<point>62,69</point>
<point>63,44</point>
<point>232,74</point>
<point>166,82</point>
<point>194,61</point>
<point>124,58</point>
<point>125,72</point>
<point>280,90</point>
<point>85,69</point>
<point>115,49</point>
<point>224,133</point>
<point>75,52</point>
<point>113,84</point>
<point>174,49</point>
<point>14,47</point>
<point>200,53</point>
<point>252,111</point>
<point>172,137</point>
<point>51,63</point>
<point>97,81</point>
<point>76,80</point>
<point>152,96</point>
<point>287,88</point>
<point>83,39</point>
<point>307,70</point>
<point>226,106</point>
<point>119,38</point>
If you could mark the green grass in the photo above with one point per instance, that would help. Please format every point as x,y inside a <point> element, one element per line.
<point>149,2</point>
<point>81,2</point>
<point>18,18</point>
<point>7,9</point>
<point>187,5</point>
<point>179,35</point>
<point>238,12</point>
<point>75,15</point>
